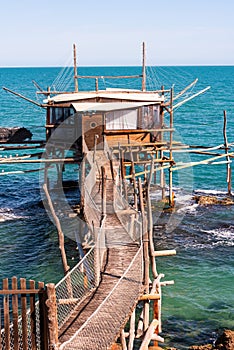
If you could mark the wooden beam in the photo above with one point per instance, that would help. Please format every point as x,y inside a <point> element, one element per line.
<point>149,297</point>
<point>149,335</point>
<point>164,252</point>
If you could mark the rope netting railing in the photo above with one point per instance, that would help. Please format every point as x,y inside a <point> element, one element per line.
<point>75,286</point>
<point>104,325</point>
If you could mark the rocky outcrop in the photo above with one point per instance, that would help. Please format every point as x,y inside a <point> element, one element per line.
<point>212,200</point>
<point>225,341</point>
<point>16,134</point>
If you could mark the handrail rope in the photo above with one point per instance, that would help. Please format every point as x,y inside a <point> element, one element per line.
<point>92,200</point>
<point>74,268</point>
<point>103,302</point>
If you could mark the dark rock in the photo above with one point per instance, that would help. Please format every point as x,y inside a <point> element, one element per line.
<point>225,341</point>
<point>15,134</point>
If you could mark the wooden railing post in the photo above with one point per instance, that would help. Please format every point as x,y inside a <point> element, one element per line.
<point>103,192</point>
<point>52,317</point>
<point>15,303</point>
<point>33,316</point>
<point>43,318</point>
<point>6,315</point>
<point>24,314</point>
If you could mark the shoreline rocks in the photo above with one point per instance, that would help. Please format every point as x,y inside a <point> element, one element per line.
<point>224,342</point>
<point>212,200</point>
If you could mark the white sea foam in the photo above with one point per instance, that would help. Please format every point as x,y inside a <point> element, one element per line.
<point>188,209</point>
<point>7,214</point>
<point>212,192</point>
<point>221,236</point>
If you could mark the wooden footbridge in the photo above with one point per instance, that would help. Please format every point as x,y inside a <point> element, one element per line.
<point>91,306</point>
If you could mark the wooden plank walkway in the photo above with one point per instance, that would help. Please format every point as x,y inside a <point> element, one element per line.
<point>96,323</point>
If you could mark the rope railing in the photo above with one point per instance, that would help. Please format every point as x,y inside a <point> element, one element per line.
<point>104,324</point>
<point>75,286</point>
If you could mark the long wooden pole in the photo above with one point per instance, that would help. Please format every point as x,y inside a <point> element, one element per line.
<point>143,68</point>
<point>58,225</point>
<point>171,153</point>
<point>229,170</point>
<point>103,192</point>
<point>75,68</point>
<point>133,176</point>
<point>146,255</point>
<point>52,317</point>
<point>150,223</point>
<point>132,330</point>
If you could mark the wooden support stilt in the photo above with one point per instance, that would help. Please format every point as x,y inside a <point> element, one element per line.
<point>123,340</point>
<point>59,228</point>
<point>146,256</point>
<point>162,178</point>
<point>148,335</point>
<point>229,170</point>
<point>52,317</point>
<point>150,222</point>
<point>132,330</point>
<point>140,325</point>
<point>134,179</point>
<point>103,192</point>
<point>171,195</point>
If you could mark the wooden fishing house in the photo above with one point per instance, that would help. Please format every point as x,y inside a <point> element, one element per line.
<point>111,133</point>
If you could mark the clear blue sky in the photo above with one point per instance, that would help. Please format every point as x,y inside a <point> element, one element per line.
<point>176,32</point>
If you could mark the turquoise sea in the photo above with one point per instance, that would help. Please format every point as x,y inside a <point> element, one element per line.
<point>201,302</point>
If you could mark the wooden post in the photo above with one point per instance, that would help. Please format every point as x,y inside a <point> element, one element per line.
<point>33,316</point>
<point>75,68</point>
<point>134,179</point>
<point>6,315</point>
<point>143,68</point>
<point>150,222</point>
<point>162,179</point>
<point>15,311</point>
<point>24,315</point>
<point>132,330</point>
<point>59,228</point>
<point>171,200</point>
<point>96,84</point>
<point>103,192</point>
<point>148,335</point>
<point>171,122</point>
<point>146,256</point>
<point>43,318</point>
<point>123,173</point>
<point>123,340</point>
<point>229,170</point>
<point>52,317</point>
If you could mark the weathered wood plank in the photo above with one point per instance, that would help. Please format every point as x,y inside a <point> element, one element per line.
<point>33,316</point>
<point>6,315</point>
<point>24,315</point>
<point>15,311</point>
